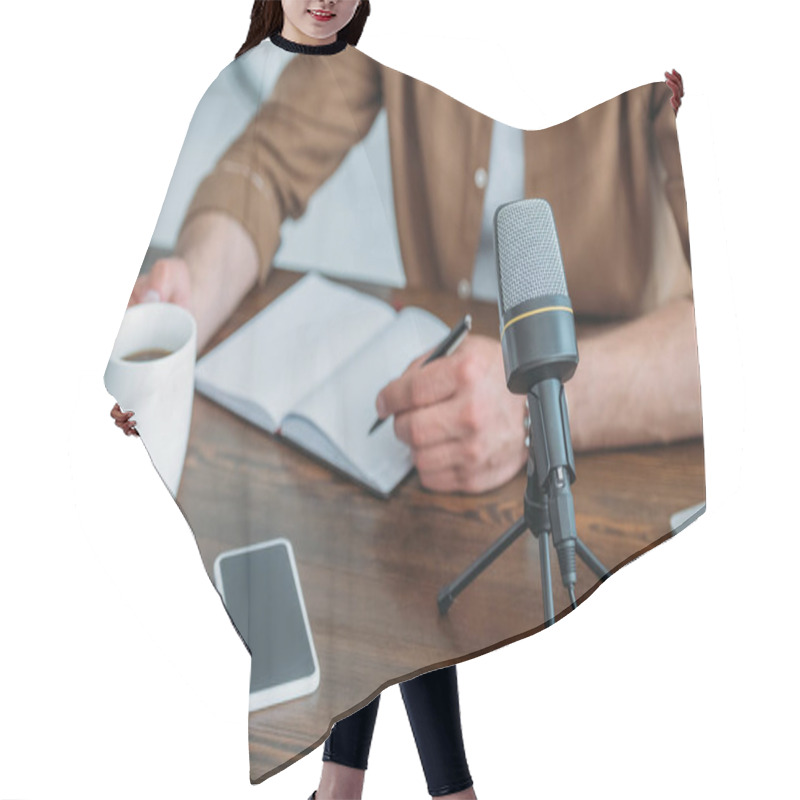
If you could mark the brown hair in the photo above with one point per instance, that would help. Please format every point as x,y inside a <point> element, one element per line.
<point>266,18</point>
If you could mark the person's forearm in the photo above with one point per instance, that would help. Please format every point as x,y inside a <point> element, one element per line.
<point>638,383</point>
<point>223,264</point>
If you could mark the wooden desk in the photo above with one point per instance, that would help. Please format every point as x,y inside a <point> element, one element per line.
<point>371,569</point>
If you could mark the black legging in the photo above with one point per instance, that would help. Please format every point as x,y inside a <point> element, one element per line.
<point>432,706</point>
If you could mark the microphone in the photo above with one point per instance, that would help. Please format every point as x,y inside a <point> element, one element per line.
<point>537,327</point>
<point>540,353</point>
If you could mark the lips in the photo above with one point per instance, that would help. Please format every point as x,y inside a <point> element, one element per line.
<point>322,16</point>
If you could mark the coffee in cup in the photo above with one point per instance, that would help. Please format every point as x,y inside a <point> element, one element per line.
<point>148,354</point>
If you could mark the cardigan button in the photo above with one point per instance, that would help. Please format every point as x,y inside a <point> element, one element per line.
<point>464,289</point>
<point>481,178</point>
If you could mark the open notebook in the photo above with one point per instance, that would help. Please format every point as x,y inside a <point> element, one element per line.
<point>309,367</point>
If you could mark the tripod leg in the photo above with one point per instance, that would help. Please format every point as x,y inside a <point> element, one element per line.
<point>452,590</point>
<point>591,560</point>
<point>547,581</point>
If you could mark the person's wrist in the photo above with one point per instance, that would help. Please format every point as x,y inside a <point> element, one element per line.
<point>574,391</point>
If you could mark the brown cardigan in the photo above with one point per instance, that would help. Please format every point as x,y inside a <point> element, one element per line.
<point>612,175</point>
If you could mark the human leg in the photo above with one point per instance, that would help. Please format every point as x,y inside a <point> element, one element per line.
<point>432,706</point>
<point>345,755</point>
<point>433,710</point>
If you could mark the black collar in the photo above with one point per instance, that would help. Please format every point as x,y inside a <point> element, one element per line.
<point>307,49</point>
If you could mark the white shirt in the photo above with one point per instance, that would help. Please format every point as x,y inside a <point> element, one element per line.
<point>506,183</point>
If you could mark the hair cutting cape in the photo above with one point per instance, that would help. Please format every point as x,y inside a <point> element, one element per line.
<point>362,182</point>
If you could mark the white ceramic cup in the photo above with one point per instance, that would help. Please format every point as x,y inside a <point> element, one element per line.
<point>159,392</point>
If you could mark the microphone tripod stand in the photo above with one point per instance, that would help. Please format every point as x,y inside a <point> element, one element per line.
<point>548,505</point>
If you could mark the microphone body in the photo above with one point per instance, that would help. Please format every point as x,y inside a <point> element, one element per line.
<point>539,342</point>
<point>537,326</point>
<point>540,353</point>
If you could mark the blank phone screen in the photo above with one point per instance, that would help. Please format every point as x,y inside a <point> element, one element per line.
<point>264,604</point>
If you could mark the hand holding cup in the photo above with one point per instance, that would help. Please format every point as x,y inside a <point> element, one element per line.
<point>168,281</point>
<point>124,420</point>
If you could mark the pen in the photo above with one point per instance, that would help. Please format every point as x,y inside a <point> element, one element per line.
<point>447,346</point>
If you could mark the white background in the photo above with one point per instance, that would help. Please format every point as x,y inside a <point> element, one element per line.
<point>120,675</point>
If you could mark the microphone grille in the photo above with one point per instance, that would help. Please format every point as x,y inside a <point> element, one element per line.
<point>529,261</point>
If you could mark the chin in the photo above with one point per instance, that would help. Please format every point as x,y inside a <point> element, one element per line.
<point>318,37</point>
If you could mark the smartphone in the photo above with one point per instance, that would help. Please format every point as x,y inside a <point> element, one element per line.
<point>680,519</point>
<point>261,591</point>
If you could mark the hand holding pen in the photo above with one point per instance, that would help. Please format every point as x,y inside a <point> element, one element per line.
<point>465,430</point>
<point>447,346</point>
